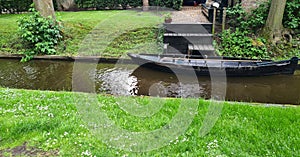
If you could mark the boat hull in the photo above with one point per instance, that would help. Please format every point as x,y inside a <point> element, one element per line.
<point>231,67</point>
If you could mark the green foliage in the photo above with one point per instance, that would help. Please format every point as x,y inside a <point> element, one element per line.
<point>174,4</point>
<point>238,44</point>
<point>248,21</point>
<point>102,4</point>
<point>41,35</point>
<point>256,19</point>
<point>113,4</point>
<point>291,16</point>
<point>14,6</point>
<point>250,24</point>
<point>286,50</point>
<point>236,15</point>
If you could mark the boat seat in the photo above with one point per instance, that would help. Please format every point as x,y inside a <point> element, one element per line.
<point>201,47</point>
<point>166,47</point>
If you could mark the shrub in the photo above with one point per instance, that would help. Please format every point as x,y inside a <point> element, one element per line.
<point>236,15</point>
<point>40,35</point>
<point>254,21</point>
<point>291,16</point>
<point>14,6</point>
<point>174,4</point>
<point>112,4</point>
<point>238,44</point>
<point>248,21</point>
<point>23,5</point>
<point>257,18</point>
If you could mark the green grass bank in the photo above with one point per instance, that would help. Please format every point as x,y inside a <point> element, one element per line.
<point>51,123</point>
<point>93,33</point>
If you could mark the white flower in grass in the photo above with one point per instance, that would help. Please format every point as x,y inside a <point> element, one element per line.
<point>86,153</point>
<point>42,108</point>
<point>184,139</point>
<point>50,115</point>
<point>66,133</point>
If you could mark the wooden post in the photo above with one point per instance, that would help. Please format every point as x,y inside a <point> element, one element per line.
<point>214,21</point>
<point>224,19</point>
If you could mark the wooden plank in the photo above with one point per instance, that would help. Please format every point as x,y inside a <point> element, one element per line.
<point>201,47</point>
<point>188,28</point>
<point>205,47</point>
<point>190,47</point>
<point>165,46</point>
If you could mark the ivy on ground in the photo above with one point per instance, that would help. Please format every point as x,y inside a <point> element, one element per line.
<point>238,44</point>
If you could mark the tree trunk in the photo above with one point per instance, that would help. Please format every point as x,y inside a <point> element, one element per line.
<point>145,5</point>
<point>45,7</point>
<point>273,28</point>
<point>63,5</point>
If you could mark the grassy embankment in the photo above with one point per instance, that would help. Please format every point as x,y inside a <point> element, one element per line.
<point>101,33</point>
<point>49,123</point>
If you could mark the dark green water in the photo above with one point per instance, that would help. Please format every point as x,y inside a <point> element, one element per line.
<point>129,80</point>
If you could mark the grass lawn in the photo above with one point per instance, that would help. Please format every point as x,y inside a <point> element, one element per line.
<point>101,33</point>
<point>50,123</point>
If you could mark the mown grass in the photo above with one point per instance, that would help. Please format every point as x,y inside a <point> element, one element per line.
<point>101,33</point>
<point>9,39</point>
<point>53,121</point>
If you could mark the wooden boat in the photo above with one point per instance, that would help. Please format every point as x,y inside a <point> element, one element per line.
<point>205,66</point>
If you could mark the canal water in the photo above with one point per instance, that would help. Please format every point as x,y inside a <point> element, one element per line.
<point>129,79</point>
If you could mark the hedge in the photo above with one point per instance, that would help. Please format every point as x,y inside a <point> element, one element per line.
<point>16,6</point>
<point>174,4</point>
<point>113,4</point>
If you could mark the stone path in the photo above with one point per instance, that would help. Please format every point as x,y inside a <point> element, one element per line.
<point>189,15</point>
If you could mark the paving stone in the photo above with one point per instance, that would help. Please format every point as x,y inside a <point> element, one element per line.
<point>189,15</point>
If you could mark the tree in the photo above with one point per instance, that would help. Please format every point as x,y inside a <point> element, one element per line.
<point>45,7</point>
<point>274,28</point>
<point>145,5</point>
<point>65,4</point>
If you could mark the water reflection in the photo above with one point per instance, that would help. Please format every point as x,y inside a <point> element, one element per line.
<point>273,89</point>
<point>169,84</point>
<point>44,75</point>
<point>116,81</point>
